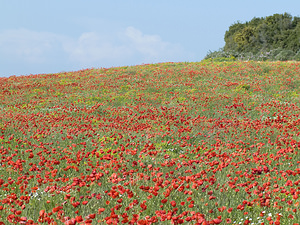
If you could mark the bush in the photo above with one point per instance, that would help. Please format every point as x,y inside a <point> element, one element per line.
<point>224,59</point>
<point>278,54</point>
<point>270,38</point>
<point>285,55</point>
<point>297,56</point>
<point>222,53</point>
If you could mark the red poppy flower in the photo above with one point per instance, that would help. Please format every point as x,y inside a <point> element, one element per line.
<point>173,203</point>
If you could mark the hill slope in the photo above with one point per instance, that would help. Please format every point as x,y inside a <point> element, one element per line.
<point>158,143</point>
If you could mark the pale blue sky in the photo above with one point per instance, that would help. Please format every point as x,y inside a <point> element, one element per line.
<point>41,36</point>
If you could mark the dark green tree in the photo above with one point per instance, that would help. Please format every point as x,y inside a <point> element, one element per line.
<point>229,36</point>
<point>265,36</point>
<point>245,39</point>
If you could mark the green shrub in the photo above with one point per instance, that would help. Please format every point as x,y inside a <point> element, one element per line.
<point>297,56</point>
<point>285,55</point>
<point>270,38</point>
<point>278,54</point>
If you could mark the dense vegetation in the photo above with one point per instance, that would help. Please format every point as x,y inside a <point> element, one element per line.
<point>275,37</point>
<point>172,143</point>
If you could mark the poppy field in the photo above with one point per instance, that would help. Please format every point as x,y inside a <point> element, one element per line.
<point>168,143</point>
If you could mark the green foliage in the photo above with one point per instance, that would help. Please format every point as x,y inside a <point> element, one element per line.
<point>285,55</point>
<point>244,38</point>
<point>275,37</point>
<point>221,56</point>
<point>229,36</point>
<point>297,56</point>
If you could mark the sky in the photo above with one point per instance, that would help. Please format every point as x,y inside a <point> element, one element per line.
<point>41,36</point>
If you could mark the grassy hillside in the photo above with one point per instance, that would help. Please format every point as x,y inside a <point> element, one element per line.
<point>170,143</point>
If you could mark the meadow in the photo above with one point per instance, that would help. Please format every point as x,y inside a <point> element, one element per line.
<point>168,143</point>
